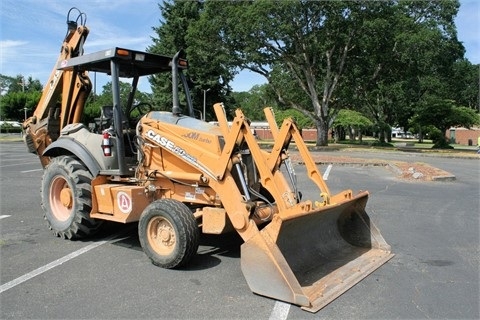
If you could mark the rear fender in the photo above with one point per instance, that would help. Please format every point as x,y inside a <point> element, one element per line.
<point>69,146</point>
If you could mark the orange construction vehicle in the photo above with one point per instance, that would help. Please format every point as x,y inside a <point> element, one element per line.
<point>178,177</point>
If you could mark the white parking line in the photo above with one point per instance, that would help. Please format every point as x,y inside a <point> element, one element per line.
<point>4,216</point>
<point>36,272</point>
<point>17,164</point>
<point>327,172</point>
<point>26,171</point>
<point>280,311</point>
<point>5,159</point>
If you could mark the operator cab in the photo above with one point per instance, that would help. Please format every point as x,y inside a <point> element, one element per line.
<point>121,120</point>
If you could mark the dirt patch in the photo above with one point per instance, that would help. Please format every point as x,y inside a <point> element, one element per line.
<point>420,171</point>
<point>403,170</point>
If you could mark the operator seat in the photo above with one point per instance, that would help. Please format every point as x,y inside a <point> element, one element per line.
<point>106,120</point>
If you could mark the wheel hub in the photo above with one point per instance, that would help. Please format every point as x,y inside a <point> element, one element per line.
<point>61,199</point>
<point>165,233</point>
<point>161,235</point>
<point>66,198</point>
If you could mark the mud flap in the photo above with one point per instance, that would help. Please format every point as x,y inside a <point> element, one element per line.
<point>311,259</point>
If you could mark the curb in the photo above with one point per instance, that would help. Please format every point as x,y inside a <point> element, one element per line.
<point>390,165</point>
<point>444,178</point>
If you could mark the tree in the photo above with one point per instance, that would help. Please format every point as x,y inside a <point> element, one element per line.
<point>352,121</point>
<point>405,53</point>
<point>95,103</point>
<point>19,84</point>
<point>19,97</point>
<point>443,114</point>
<point>183,27</point>
<point>15,105</point>
<point>305,43</point>
<point>254,101</point>
<point>463,85</point>
<point>300,119</point>
<point>307,50</point>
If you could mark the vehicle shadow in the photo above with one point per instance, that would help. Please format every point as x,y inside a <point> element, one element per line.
<point>211,247</point>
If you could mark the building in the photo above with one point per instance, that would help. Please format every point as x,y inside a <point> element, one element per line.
<point>463,136</point>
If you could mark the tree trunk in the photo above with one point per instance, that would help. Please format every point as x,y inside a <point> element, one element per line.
<point>339,134</point>
<point>420,135</point>
<point>381,136</point>
<point>322,132</point>
<point>388,134</point>
<point>351,134</point>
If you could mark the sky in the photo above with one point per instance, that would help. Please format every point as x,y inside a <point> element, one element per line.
<point>32,31</point>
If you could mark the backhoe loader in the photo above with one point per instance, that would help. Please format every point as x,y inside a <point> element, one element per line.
<point>179,177</point>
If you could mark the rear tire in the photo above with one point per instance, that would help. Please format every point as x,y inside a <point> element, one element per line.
<point>168,233</point>
<point>67,198</point>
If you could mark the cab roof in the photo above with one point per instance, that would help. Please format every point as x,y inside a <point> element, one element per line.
<point>131,63</point>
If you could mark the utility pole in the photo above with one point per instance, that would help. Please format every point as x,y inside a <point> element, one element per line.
<point>23,84</point>
<point>23,90</point>
<point>204,103</point>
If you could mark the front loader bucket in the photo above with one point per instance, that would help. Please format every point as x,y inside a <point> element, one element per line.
<point>312,258</point>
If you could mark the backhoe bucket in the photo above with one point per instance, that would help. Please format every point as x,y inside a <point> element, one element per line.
<point>311,258</point>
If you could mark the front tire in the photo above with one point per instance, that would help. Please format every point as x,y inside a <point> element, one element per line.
<point>67,198</point>
<point>168,233</point>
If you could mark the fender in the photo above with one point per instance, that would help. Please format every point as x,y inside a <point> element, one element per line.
<point>66,146</point>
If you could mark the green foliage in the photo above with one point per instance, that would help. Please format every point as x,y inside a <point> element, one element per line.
<point>438,139</point>
<point>377,57</point>
<point>19,84</point>
<point>405,53</point>
<point>443,114</point>
<point>254,101</point>
<point>463,84</point>
<point>299,46</point>
<point>352,121</point>
<point>9,128</point>
<point>210,68</point>
<point>350,118</point>
<point>18,95</point>
<point>300,119</point>
<point>13,105</point>
<point>94,103</point>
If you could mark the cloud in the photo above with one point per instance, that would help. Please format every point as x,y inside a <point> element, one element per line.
<point>11,52</point>
<point>32,31</point>
<point>11,44</point>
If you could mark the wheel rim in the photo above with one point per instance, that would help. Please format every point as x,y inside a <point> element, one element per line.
<point>61,199</point>
<point>161,235</point>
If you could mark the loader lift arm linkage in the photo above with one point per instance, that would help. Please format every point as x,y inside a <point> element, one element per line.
<point>179,176</point>
<point>309,251</point>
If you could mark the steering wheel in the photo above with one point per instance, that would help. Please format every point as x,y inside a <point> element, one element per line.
<point>138,111</point>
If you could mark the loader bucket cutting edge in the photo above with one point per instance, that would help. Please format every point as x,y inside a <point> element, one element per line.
<point>316,257</point>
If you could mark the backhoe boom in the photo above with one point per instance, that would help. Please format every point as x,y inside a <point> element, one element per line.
<point>63,97</point>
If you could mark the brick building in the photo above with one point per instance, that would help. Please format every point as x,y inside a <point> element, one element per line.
<point>262,131</point>
<point>464,136</point>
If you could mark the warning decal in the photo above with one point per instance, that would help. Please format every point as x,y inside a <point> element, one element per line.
<point>124,202</point>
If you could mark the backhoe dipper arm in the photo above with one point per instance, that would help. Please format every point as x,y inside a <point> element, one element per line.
<point>73,86</point>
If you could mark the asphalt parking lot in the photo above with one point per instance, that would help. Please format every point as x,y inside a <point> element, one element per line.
<point>433,228</point>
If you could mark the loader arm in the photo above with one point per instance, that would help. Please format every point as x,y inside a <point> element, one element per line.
<point>63,97</point>
<point>282,139</point>
<point>310,252</point>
